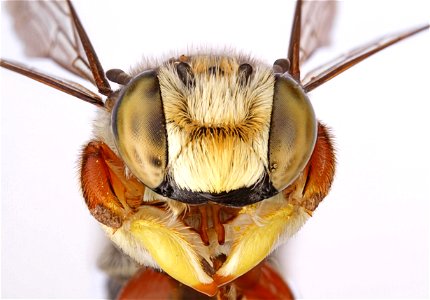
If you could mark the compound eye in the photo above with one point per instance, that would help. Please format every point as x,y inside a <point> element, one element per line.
<point>139,128</point>
<point>293,131</point>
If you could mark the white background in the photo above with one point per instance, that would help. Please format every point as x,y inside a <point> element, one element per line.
<point>368,239</point>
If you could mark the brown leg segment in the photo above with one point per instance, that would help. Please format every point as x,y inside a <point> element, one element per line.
<point>109,195</point>
<point>150,284</point>
<point>315,182</point>
<point>263,282</point>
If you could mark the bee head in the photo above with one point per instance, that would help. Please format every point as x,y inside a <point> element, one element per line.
<point>214,128</point>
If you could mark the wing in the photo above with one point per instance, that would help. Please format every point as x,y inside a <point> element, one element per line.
<point>52,29</point>
<point>342,63</point>
<point>317,23</point>
<point>46,29</point>
<point>66,86</point>
<point>312,24</point>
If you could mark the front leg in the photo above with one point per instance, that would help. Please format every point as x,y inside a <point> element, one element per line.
<point>316,179</point>
<point>110,196</point>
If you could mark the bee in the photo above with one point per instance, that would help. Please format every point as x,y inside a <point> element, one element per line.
<point>55,204</point>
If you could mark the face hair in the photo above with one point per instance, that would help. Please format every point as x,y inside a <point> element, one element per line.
<point>217,130</point>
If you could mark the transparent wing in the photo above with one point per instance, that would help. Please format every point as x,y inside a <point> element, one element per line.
<point>52,29</point>
<point>47,29</point>
<point>312,24</point>
<point>345,61</point>
<point>316,26</point>
<point>64,85</point>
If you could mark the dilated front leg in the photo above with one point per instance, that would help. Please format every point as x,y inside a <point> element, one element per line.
<point>110,196</point>
<point>314,183</point>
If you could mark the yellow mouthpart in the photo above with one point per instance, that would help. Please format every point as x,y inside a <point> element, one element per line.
<point>254,243</point>
<point>180,252</point>
<point>175,249</point>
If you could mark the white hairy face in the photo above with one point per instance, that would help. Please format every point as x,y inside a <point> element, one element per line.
<point>213,126</point>
<point>217,130</point>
